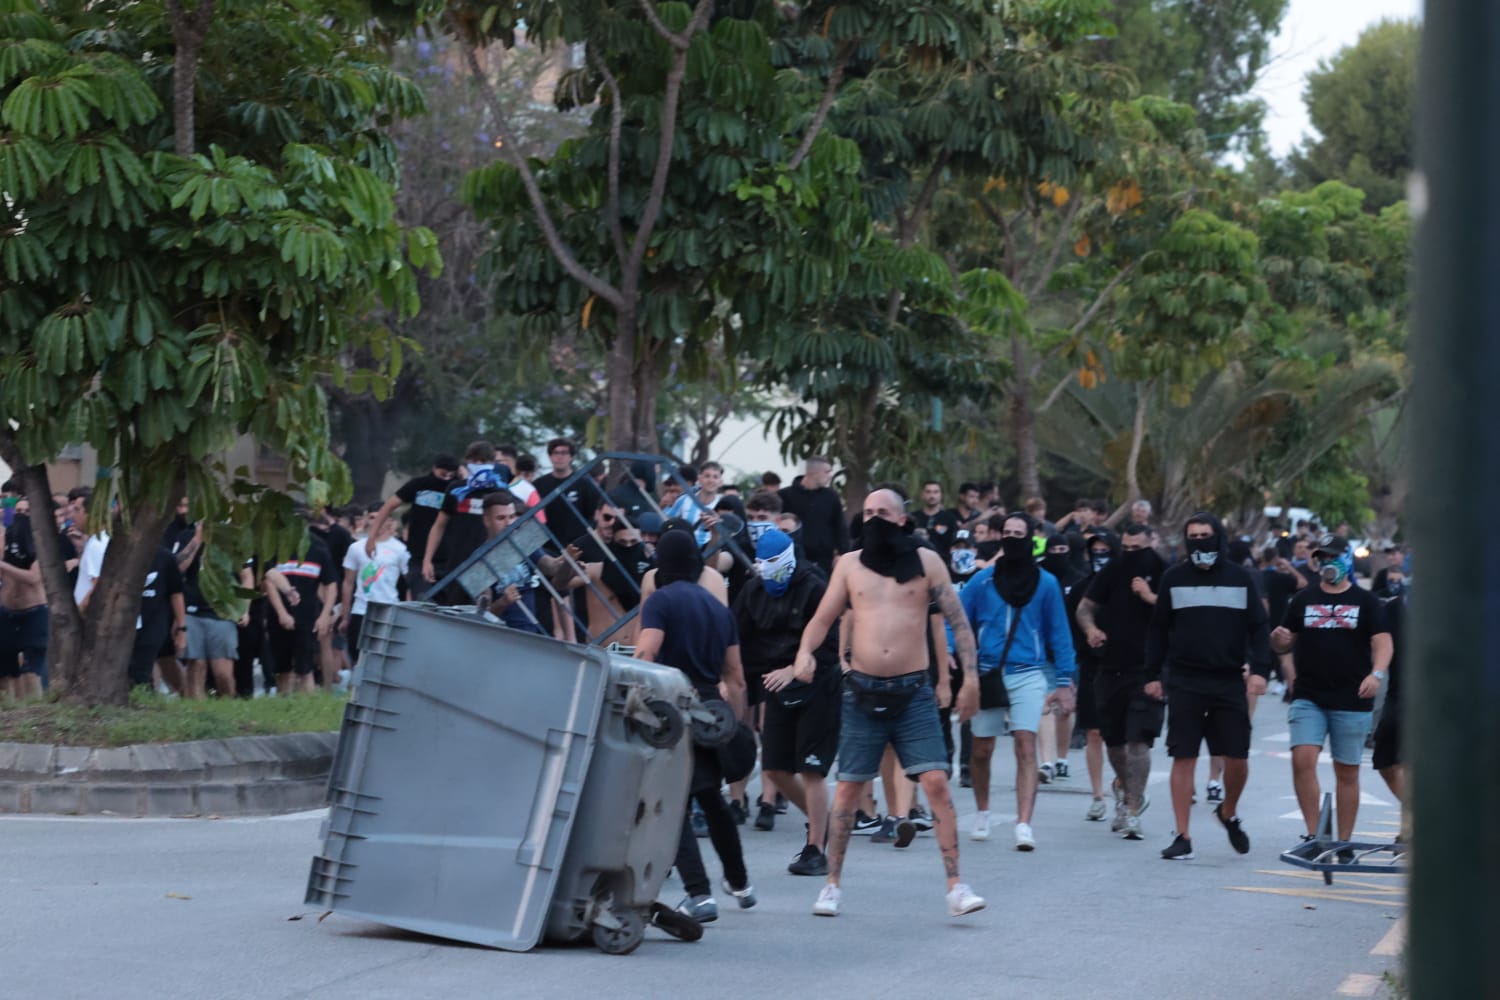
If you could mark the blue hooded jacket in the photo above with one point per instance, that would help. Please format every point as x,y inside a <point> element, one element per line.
<point>1042,635</point>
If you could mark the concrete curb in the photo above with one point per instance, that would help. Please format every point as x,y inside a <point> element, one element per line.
<point>246,775</point>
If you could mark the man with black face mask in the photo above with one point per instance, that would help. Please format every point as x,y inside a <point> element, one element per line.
<point>1115,615</point>
<point>1209,621</point>
<point>1100,548</point>
<point>888,586</point>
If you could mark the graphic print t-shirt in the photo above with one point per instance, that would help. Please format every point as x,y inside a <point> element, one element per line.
<point>425,495</point>
<point>375,579</point>
<point>1332,654</point>
<point>162,581</point>
<point>306,575</point>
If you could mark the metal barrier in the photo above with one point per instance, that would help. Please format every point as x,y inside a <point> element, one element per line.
<point>531,534</point>
<point>1325,853</point>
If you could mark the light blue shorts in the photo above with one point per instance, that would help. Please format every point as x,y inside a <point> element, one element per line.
<point>1344,731</point>
<point>1028,692</point>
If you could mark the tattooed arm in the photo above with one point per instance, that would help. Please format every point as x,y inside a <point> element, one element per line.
<point>941,593</point>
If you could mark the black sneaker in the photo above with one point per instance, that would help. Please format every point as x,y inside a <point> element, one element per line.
<point>1238,838</point>
<point>887,832</point>
<point>1215,792</point>
<point>1345,855</point>
<point>1060,771</point>
<point>921,817</point>
<point>738,811</point>
<point>765,817</point>
<point>781,804</point>
<point>865,825</point>
<point>964,780</point>
<point>1181,849</point>
<point>810,861</point>
<point>906,832</point>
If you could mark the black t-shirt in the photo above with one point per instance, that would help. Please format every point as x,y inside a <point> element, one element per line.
<point>425,495</point>
<point>697,631</point>
<point>163,580</point>
<point>940,527</point>
<point>1278,589</point>
<point>624,567</point>
<point>337,538</point>
<point>192,594</point>
<point>562,521</point>
<point>632,500</point>
<point>1332,654</point>
<point>306,575</point>
<point>1122,615</point>
<point>1395,619</point>
<point>465,531</point>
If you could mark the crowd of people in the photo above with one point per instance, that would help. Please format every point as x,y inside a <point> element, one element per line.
<point>901,643</point>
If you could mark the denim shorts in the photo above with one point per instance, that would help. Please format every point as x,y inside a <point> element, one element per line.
<point>23,640</point>
<point>916,734</point>
<point>1345,731</point>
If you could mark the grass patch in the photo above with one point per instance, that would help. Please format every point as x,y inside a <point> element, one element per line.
<point>152,718</point>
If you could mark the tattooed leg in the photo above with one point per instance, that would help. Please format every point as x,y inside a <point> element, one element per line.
<point>841,826</point>
<point>944,821</point>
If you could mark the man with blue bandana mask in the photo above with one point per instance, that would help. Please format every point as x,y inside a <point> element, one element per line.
<point>800,733</point>
<point>1341,648</point>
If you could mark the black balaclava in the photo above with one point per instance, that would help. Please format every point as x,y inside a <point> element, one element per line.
<point>1205,553</point>
<point>1061,564</point>
<point>677,558</point>
<point>20,543</point>
<point>1142,563</point>
<point>1016,572</point>
<point>891,549</point>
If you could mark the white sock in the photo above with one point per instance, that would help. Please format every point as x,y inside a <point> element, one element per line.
<point>984,815</point>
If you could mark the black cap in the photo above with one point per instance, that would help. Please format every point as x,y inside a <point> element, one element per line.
<point>1331,545</point>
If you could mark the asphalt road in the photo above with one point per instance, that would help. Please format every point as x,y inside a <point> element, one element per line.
<point>212,908</point>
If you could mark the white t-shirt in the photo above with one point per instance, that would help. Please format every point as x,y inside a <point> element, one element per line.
<point>375,579</point>
<point>89,564</point>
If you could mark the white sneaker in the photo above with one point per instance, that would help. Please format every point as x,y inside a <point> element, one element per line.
<point>828,901</point>
<point>1024,840</point>
<point>981,827</point>
<point>961,900</point>
<point>1133,827</point>
<point>1096,810</point>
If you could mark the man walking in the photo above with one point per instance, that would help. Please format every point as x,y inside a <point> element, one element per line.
<point>889,584</point>
<point>1017,611</point>
<point>684,626</point>
<point>1115,615</point>
<point>1338,638</point>
<point>1209,621</point>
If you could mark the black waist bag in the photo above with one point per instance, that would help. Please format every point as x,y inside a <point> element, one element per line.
<point>992,690</point>
<point>881,703</point>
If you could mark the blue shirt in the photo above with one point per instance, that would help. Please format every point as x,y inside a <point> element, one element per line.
<point>696,630</point>
<point>1042,633</point>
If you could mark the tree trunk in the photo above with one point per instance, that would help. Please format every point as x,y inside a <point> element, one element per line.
<point>646,378</point>
<point>620,383</point>
<point>65,624</point>
<point>103,652</point>
<point>1137,438</point>
<point>859,463</point>
<point>369,446</point>
<point>188,32</point>
<point>1023,425</point>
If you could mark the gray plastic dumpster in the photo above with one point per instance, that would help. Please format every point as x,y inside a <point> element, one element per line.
<point>491,785</point>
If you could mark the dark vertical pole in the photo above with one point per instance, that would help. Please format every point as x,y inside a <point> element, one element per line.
<point>1453,733</point>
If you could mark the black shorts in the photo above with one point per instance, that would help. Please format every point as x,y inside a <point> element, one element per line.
<point>1387,739</point>
<point>146,651</point>
<point>1085,700</point>
<point>23,638</point>
<point>1216,712</point>
<point>294,651</point>
<point>803,739</point>
<point>356,622</point>
<point>1126,713</point>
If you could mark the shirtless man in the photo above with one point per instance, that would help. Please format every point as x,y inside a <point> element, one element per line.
<point>889,584</point>
<point>23,612</point>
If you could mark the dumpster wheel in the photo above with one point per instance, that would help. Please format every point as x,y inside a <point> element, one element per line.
<point>715,724</point>
<point>623,938</point>
<point>675,922</point>
<point>669,728</point>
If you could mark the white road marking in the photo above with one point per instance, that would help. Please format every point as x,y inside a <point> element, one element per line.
<point>1394,940</point>
<point>1278,738</point>
<point>1359,984</point>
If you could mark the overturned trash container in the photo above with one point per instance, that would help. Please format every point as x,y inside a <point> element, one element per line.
<point>492,786</point>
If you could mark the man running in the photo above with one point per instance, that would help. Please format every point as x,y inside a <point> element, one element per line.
<point>1209,620</point>
<point>1337,634</point>
<point>889,584</point>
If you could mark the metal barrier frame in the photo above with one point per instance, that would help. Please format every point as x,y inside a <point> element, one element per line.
<point>1321,853</point>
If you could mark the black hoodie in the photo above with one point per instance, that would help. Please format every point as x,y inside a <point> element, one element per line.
<point>1208,623</point>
